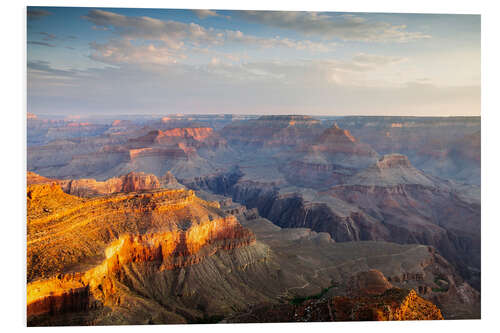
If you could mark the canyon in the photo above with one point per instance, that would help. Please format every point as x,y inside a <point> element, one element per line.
<point>198,219</point>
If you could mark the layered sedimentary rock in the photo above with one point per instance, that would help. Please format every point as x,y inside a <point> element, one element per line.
<point>337,200</point>
<point>131,182</point>
<point>196,137</point>
<point>78,247</point>
<point>371,282</point>
<point>329,160</point>
<point>42,131</point>
<point>362,268</point>
<point>272,131</point>
<point>444,147</point>
<point>127,148</point>
<point>390,200</point>
<point>394,304</point>
<point>390,170</point>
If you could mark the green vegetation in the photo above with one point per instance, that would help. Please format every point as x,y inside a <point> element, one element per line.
<point>442,283</point>
<point>299,300</point>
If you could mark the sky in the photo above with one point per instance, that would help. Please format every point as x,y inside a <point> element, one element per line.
<point>93,61</point>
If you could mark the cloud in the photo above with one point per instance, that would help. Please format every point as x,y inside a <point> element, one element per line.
<point>151,40</point>
<point>36,14</point>
<point>44,71</point>
<point>346,27</point>
<point>47,36</point>
<point>265,87</point>
<point>377,60</point>
<point>239,37</point>
<point>172,33</point>
<point>41,43</point>
<point>204,13</point>
<point>122,51</point>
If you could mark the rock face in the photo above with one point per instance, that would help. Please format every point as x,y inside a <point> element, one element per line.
<point>203,136</point>
<point>371,282</point>
<point>104,260</point>
<point>43,131</point>
<point>443,147</point>
<point>355,269</point>
<point>393,161</point>
<point>131,182</point>
<point>329,160</point>
<point>334,203</point>
<point>393,304</point>
<point>396,203</point>
<point>94,240</point>
<point>119,152</point>
<point>272,131</point>
<point>392,170</point>
<point>33,178</point>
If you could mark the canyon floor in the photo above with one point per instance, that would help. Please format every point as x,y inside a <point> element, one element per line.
<point>206,219</point>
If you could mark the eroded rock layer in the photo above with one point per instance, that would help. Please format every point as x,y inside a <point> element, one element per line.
<point>78,248</point>
<point>393,304</point>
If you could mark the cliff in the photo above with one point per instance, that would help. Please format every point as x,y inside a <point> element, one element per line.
<point>393,304</point>
<point>130,182</point>
<point>192,136</point>
<point>272,131</point>
<point>78,248</point>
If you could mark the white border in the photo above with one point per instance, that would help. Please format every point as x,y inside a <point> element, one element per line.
<point>13,92</point>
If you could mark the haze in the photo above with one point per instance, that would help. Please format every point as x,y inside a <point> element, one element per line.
<point>88,61</point>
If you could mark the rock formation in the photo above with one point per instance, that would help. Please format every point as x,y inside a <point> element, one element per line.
<point>329,160</point>
<point>78,248</point>
<point>272,131</point>
<point>337,210</point>
<point>394,304</point>
<point>131,182</point>
<point>388,201</point>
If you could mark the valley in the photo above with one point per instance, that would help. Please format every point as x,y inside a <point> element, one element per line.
<point>190,219</point>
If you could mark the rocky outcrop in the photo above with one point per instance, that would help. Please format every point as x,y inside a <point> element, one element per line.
<point>329,160</point>
<point>448,147</point>
<point>393,161</point>
<point>324,185</point>
<point>403,213</point>
<point>33,178</point>
<point>272,131</point>
<point>196,137</point>
<point>78,248</point>
<point>414,213</point>
<point>166,153</point>
<point>131,182</point>
<point>335,140</point>
<point>363,268</point>
<point>391,170</point>
<point>393,304</point>
<point>371,282</point>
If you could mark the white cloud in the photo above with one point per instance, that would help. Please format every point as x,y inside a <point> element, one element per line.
<point>239,37</point>
<point>168,40</point>
<point>377,60</point>
<point>345,27</point>
<point>170,32</point>
<point>120,51</point>
<point>204,13</point>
